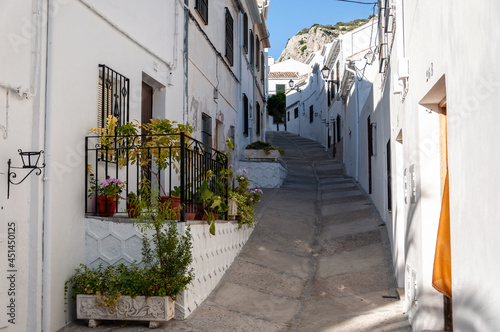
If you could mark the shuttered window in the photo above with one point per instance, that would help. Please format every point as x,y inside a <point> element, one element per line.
<point>201,7</point>
<point>245,32</point>
<point>245,115</point>
<point>257,52</point>
<point>113,96</point>
<point>229,37</point>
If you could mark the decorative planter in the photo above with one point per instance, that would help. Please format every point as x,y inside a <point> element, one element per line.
<point>261,154</point>
<point>106,206</point>
<point>154,309</point>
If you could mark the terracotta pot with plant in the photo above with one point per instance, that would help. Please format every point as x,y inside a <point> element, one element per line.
<point>107,195</point>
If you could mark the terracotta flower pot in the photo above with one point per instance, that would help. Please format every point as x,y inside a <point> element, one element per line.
<point>175,203</point>
<point>133,211</point>
<point>106,206</point>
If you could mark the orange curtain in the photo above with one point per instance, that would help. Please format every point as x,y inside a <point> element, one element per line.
<point>441,276</point>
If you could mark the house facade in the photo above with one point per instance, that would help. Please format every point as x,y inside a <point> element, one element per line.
<point>418,136</point>
<point>70,64</point>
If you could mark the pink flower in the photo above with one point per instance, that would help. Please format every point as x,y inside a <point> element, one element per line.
<point>245,171</point>
<point>251,199</point>
<point>230,166</point>
<point>242,178</point>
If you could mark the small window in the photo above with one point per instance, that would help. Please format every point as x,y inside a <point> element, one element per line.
<point>201,7</point>
<point>280,87</point>
<point>245,32</point>
<point>257,119</point>
<point>206,130</point>
<point>245,115</point>
<point>288,114</point>
<point>229,37</point>
<point>311,114</point>
<point>252,46</point>
<point>257,52</point>
<point>296,113</point>
<point>262,69</point>
<point>338,128</point>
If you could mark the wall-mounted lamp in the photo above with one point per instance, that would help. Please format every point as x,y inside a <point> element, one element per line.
<point>30,161</point>
<point>325,72</point>
<point>292,86</point>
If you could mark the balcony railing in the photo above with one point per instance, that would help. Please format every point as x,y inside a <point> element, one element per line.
<point>168,161</point>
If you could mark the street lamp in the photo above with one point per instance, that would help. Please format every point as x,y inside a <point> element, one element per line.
<point>292,85</point>
<point>30,161</point>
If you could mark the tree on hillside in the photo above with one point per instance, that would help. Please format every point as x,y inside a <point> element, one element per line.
<point>276,107</point>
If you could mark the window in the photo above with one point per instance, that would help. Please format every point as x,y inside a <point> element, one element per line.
<point>338,128</point>
<point>262,67</point>
<point>113,96</point>
<point>288,114</point>
<point>251,48</point>
<point>296,113</point>
<point>280,87</point>
<point>229,37</point>
<point>245,32</point>
<point>201,7</point>
<point>245,115</point>
<point>257,119</point>
<point>311,114</point>
<point>206,130</point>
<point>257,52</point>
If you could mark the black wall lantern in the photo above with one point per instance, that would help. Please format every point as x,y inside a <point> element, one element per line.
<point>30,161</point>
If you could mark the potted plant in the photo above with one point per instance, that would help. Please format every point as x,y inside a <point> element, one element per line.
<point>107,194</point>
<point>132,205</point>
<point>139,293</point>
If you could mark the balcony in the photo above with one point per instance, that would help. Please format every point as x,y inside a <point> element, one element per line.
<point>171,162</point>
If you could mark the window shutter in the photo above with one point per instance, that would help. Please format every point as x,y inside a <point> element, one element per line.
<point>229,37</point>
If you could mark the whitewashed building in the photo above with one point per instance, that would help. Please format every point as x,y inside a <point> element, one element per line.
<point>62,60</point>
<point>430,115</point>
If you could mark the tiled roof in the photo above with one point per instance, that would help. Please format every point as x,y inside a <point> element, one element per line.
<point>283,74</point>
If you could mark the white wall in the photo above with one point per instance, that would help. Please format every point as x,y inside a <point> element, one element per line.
<point>439,46</point>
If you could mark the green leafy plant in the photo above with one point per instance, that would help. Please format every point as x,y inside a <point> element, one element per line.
<point>214,204</point>
<point>246,199</point>
<point>167,256</point>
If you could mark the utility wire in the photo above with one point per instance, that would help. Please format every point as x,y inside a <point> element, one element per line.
<point>358,2</point>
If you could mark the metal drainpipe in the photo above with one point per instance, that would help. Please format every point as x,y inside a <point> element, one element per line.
<point>46,240</point>
<point>186,61</point>
<point>357,120</point>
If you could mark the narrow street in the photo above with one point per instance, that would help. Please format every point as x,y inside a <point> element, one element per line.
<point>319,259</point>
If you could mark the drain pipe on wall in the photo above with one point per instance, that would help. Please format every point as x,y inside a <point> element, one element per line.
<point>186,62</point>
<point>357,118</point>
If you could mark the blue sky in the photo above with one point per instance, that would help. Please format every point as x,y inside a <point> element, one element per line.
<point>287,17</point>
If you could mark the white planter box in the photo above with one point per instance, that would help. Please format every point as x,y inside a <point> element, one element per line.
<point>154,309</point>
<point>261,154</point>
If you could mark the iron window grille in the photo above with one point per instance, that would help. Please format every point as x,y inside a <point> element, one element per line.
<point>113,96</point>
<point>201,7</point>
<point>262,70</point>
<point>245,32</point>
<point>311,114</point>
<point>206,130</point>
<point>245,115</point>
<point>229,37</point>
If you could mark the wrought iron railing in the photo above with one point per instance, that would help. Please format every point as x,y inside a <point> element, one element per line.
<point>168,161</point>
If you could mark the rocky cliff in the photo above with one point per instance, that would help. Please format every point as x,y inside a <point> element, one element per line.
<point>312,39</point>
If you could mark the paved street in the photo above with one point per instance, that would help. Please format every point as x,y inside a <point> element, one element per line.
<point>319,260</point>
